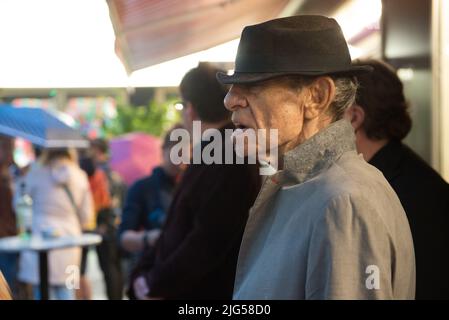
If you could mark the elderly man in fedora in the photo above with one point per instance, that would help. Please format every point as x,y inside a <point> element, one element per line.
<point>326,225</point>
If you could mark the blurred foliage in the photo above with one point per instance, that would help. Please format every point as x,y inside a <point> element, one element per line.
<point>154,119</point>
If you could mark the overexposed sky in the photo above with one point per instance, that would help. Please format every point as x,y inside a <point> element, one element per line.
<point>70,43</point>
<point>54,43</point>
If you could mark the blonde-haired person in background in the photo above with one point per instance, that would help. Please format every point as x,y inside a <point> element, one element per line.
<point>53,209</point>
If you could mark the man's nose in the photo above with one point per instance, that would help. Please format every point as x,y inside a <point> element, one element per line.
<point>235,99</point>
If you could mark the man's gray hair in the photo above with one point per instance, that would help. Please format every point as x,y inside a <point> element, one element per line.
<point>345,92</point>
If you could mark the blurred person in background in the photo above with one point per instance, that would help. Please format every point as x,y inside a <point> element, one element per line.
<point>381,121</point>
<point>24,290</point>
<point>107,251</point>
<point>85,289</point>
<point>49,185</point>
<point>8,228</point>
<point>146,205</point>
<point>196,254</point>
<point>117,188</point>
<point>5,290</point>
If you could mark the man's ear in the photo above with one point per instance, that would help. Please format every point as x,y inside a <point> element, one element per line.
<point>320,95</point>
<point>356,115</point>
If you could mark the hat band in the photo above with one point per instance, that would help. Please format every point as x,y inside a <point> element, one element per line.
<point>289,63</point>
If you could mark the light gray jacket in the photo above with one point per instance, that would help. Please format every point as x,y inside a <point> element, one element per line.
<point>327,226</point>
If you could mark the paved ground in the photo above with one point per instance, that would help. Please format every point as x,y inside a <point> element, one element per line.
<point>96,276</point>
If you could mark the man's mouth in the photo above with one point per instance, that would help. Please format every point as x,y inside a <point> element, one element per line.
<point>240,129</point>
<point>241,126</point>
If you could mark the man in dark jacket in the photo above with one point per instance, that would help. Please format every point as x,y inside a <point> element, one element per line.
<point>196,255</point>
<point>381,120</point>
<point>146,206</point>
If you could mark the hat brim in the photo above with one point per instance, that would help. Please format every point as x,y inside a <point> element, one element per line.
<point>244,77</point>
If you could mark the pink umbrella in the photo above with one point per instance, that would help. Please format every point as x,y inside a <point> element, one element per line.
<point>134,155</point>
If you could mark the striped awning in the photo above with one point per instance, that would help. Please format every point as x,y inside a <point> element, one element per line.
<point>149,32</point>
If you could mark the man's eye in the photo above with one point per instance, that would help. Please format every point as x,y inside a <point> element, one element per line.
<point>252,88</point>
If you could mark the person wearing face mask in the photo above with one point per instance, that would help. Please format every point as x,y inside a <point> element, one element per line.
<point>54,211</point>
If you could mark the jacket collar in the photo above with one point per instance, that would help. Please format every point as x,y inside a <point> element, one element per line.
<point>319,152</point>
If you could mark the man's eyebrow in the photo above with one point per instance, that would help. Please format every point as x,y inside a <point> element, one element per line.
<point>252,87</point>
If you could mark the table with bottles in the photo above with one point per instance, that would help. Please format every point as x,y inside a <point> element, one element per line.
<point>43,242</point>
<point>43,245</point>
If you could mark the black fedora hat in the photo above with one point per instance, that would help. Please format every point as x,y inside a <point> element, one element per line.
<point>307,45</point>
